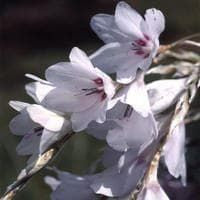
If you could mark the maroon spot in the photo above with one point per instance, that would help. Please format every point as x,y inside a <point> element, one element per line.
<point>146,37</point>
<point>98,81</point>
<point>104,95</point>
<point>139,52</point>
<point>141,42</point>
<point>146,55</point>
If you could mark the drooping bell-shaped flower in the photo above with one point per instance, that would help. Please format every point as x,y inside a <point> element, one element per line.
<point>80,89</point>
<point>70,186</point>
<point>39,127</point>
<point>132,41</point>
<point>174,153</point>
<point>132,132</point>
<point>152,189</point>
<point>122,178</point>
<point>164,93</point>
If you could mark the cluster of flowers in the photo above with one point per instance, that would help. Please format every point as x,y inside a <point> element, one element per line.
<point>78,96</point>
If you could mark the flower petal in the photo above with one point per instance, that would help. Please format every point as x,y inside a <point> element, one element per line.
<point>110,57</point>
<point>50,137</point>
<point>174,153</point>
<point>153,191</point>
<point>119,58</point>
<point>136,96</point>
<point>29,144</point>
<point>110,157</point>
<point>164,93</point>
<point>100,131</point>
<point>115,183</point>
<point>135,132</point>
<point>105,27</point>
<point>52,182</point>
<point>48,119</point>
<point>22,124</point>
<point>71,186</point>
<point>80,120</point>
<point>70,77</point>
<point>156,22</point>
<point>18,105</point>
<point>128,20</point>
<point>69,102</point>
<point>79,58</point>
<point>38,90</point>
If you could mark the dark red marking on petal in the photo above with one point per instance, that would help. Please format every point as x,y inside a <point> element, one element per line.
<point>94,92</point>
<point>146,37</point>
<point>139,52</point>
<point>146,55</point>
<point>98,81</point>
<point>104,95</point>
<point>141,42</point>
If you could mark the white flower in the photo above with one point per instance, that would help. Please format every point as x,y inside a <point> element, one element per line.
<point>132,40</point>
<point>122,178</point>
<point>174,153</point>
<point>152,189</point>
<point>38,89</point>
<point>132,132</point>
<point>80,89</point>
<point>135,94</point>
<point>70,186</point>
<point>164,93</point>
<point>39,127</point>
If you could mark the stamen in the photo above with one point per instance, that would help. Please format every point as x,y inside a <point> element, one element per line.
<point>94,91</point>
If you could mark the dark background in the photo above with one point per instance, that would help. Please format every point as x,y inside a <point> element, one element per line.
<point>35,34</point>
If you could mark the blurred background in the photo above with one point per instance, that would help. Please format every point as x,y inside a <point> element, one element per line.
<point>35,34</point>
